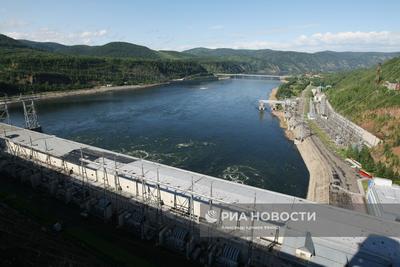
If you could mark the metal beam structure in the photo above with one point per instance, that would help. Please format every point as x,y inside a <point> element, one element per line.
<point>30,115</point>
<point>252,76</point>
<point>4,115</point>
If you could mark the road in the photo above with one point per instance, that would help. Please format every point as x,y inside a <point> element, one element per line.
<point>332,180</point>
<point>317,165</point>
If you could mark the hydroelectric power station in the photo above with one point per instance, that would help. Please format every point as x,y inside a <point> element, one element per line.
<point>171,205</point>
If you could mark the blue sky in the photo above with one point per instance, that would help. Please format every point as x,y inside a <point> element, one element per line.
<point>352,25</point>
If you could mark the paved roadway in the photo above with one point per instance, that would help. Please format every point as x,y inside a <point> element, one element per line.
<point>341,183</point>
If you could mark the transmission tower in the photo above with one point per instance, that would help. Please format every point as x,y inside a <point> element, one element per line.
<point>378,74</point>
<point>31,118</point>
<point>4,115</point>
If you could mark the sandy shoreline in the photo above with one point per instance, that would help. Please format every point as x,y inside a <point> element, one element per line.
<point>319,179</point>
<point>89,91</point>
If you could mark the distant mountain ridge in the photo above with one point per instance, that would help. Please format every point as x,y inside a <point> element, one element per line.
<point>113,49</point>
<point>27,66</point>
<point>227,60</point>
<point>8,42</point>
<point>289,62</point>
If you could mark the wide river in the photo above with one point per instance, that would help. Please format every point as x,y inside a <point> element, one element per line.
<point>213,128</point>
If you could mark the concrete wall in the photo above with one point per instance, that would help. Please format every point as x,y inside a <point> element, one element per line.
<point>134,188</point>
<point>368,138</point>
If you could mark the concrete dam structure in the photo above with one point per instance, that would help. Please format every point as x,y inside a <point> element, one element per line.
<point>171,206</point>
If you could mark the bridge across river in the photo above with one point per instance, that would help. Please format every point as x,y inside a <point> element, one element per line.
<point>252,76</point>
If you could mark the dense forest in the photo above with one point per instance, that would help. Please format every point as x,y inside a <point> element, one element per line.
<point>364,96</point>
<point>27,66</point>
<point>23,70</point>
<point>289,62</point>
<point>293,87</point>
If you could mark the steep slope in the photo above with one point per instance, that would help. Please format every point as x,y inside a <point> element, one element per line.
<point>44,46</point>
<point>7,42</point>
<point>371,104</point>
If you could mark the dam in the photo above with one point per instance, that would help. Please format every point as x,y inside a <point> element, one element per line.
<point>172,205</point>
<point>212,128</point>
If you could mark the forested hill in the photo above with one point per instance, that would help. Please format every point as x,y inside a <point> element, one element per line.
<point>229,60</point>
<point>24,68</point>
<point>370,98</point>
<point>287,62</point>
<point>115,49</point>
<point>28,65</point>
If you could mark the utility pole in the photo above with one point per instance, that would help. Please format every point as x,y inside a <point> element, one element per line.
<point>378,74</point>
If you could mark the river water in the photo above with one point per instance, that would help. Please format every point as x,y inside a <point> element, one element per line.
<point>213,128</point>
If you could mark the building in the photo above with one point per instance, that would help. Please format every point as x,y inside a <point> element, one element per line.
<point>383,198</point>
<point>318,97</point>
<point>392,86</point>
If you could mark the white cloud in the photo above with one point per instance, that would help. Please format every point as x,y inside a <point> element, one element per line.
<point>49,35</point>
<point>340,41</point>
<point>365,40</point>
<point>93,34</point>
<point>12,24</point>
<point>287,29</point>
<point>262,45</point>
<point>216,27</point>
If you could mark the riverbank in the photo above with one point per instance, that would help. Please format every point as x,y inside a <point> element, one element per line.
<point>280,115</point>
<point>318,167</point>
<point>88,91</point>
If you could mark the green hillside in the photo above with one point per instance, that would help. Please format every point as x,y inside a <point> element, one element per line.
<point>7,42</point>
<point>25,69</point>
<point>114,49</point>
<point>227,60</point>
<point>169,54</point>
<point>45,66</point>
<point>359,96</point>
<point>44,46</point>
<point>288,62</point>
<point>357,91</point>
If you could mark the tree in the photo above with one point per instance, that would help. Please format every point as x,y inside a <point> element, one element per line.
<point>366,159</point>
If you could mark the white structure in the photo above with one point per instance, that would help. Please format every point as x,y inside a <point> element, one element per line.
<point>383,198</point>
<point>392,86</point>
<point>318,97</point>
<point>311,113</point>
<point>179,194</point>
